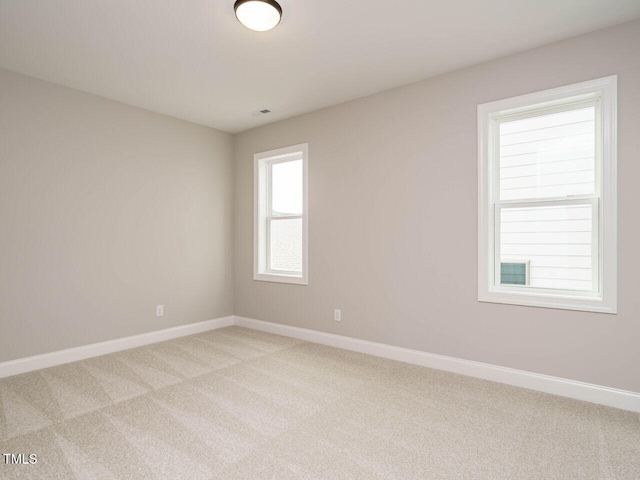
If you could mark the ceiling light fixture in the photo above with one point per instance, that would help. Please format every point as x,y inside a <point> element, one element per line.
<point>258,15</point>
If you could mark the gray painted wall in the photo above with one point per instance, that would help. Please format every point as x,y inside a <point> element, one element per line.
<point>393,220</point>
<point>105,211</point>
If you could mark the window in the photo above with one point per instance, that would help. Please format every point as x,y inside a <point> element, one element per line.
<point>281,215</point>
<point>547,198</point>
<point>514,272</point>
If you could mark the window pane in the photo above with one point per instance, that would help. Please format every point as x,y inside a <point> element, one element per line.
<point>513,273</point>
<point>286,188</point>
<point>556,240</point>
<point>286,244</point>
<point>548,155</point>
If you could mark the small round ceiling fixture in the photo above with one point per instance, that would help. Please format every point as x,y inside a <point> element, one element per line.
<point>258,15</point>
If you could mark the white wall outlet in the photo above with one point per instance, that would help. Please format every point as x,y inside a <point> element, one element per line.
<point>159,310</point>
<point>337,315</point>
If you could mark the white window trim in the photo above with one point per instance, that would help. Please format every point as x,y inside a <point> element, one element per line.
<point>606,300</point>
<point>260,220</point>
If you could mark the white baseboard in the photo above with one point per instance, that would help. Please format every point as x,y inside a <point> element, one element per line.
<point>544,383</point>
<point>22,365</point>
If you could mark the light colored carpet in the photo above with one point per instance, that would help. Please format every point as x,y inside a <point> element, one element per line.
<point>239,404</point>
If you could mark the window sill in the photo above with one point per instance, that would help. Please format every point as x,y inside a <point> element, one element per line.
<point>280,278</point>
<point>563,302</point>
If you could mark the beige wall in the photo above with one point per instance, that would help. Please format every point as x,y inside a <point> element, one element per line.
<point>393,220</point>
<point>105,211</point>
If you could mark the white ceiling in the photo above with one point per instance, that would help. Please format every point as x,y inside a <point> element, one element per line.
<point>193,60</point>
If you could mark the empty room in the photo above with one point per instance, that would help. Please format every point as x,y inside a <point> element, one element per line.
<point>296,239</point>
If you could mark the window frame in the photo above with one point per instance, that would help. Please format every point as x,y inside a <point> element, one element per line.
<point>603,93</point>
<point>263,162</point>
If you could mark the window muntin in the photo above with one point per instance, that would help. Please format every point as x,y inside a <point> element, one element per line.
<point>280,240</point>
<point>544,161</point>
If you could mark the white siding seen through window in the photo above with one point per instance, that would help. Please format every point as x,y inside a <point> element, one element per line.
<point>550,156</point>
<point>547,201</point>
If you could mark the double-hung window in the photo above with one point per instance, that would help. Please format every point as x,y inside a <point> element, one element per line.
<point>281,215</point>
<point>547,198</point>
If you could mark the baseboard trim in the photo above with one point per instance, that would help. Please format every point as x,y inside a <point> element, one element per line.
<point>46,360</point>
<point>611,397</point>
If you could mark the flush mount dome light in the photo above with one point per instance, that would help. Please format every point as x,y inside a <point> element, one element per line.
<point>258,15</point>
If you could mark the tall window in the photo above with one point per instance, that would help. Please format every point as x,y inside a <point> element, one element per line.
<point>281,215</point>
<point>547,198</point>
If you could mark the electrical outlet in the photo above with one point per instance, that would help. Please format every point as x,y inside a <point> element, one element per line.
<point>337,315</point>
<point>159,310</point>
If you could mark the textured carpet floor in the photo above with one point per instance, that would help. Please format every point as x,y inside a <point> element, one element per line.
<point>240,404</point>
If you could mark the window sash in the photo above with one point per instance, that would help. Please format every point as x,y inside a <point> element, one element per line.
<point>269,268</point>
<point>596,253</point>
<point>269,180</point>
<point>494,152</point>
<point>594,199</point>
<point>269,217</point>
